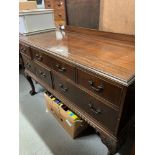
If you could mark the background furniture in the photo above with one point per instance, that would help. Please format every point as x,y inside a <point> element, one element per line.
<point>103,15</point>
<point>59,10</point>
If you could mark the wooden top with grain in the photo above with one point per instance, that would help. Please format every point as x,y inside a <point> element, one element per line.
<point>111,58</point>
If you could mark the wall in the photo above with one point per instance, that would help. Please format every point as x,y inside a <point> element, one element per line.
<point>117,16</point>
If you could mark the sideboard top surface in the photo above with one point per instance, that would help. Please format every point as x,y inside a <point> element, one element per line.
<point>110,58</point>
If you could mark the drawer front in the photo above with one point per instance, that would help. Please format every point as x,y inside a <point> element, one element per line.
<point>29,64</point>
<point>103,114</point>
<point>57,65</point>
<point>100,87</point>
<point>63,86</point>
<point>64,69</point>
<point>37,55</point>
<point>24,49</point>
<point>96,109</point>
<point>48,4</point>
<point>59,15</point>
<point>59,4</point>
<point>43,73</point>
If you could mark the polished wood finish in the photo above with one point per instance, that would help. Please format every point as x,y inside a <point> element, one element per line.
<point>32,91</point>
<point>100,87</point>
<point>95,109</point>
<point>25,50</point>
<point>60,66</point>
<point>92,74</point>
<point>109,58</point>
<point>64,68</point>
<point>117,36</point>
<point>44,73</point>
<point>28,63</point>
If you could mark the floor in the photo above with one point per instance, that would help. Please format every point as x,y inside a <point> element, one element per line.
<point>41,134</point>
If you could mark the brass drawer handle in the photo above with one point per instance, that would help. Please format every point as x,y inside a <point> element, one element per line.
<point>23,49</point>
<point>63,88</point>
<point>93,109</point>
<point>61,69</point>
<point>38,57</point>
<point>98,88</point>
<point>28,65</point>
<point>42,74</point>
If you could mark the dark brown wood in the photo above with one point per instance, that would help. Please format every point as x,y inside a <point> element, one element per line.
<point>25,50</point>
<point>111,144</point>
<point>32,91</point>
<point>44,73</point>
<point>28,63</point>
<point>132,150</point>
<point>128,109</point>
<point>109,58</point>
<point>77,68</point>
<point>90,105</point>
<point>100,87</point>
<point>21,62</point>
<point>107,138</point>
<point>118,36</point>
<point>83,13</point>
<point>58,65</point>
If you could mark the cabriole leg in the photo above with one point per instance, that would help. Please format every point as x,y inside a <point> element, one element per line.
<point>32,92</point>
<point>109,142</point>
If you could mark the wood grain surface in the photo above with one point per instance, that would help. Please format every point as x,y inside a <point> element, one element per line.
<point>111,58</point>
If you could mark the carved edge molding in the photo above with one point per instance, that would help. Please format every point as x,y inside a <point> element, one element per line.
<point>98,72</point>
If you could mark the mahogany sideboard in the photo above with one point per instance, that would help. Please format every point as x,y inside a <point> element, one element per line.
<point>91,72</point>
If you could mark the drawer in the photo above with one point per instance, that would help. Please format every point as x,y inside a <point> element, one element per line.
<point>43,73</point>
<point>107,90</point>
<point>94,108</point>
<point>63,86</point>
<point>39,56</point>
<point>24,49</point>
<point>64,69</point>
<point>59,15</point>
<point>102,114</point>
<point>48,4</point>
<point>29,64</point>
<point>58,4</point>
<point>57,65</point>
